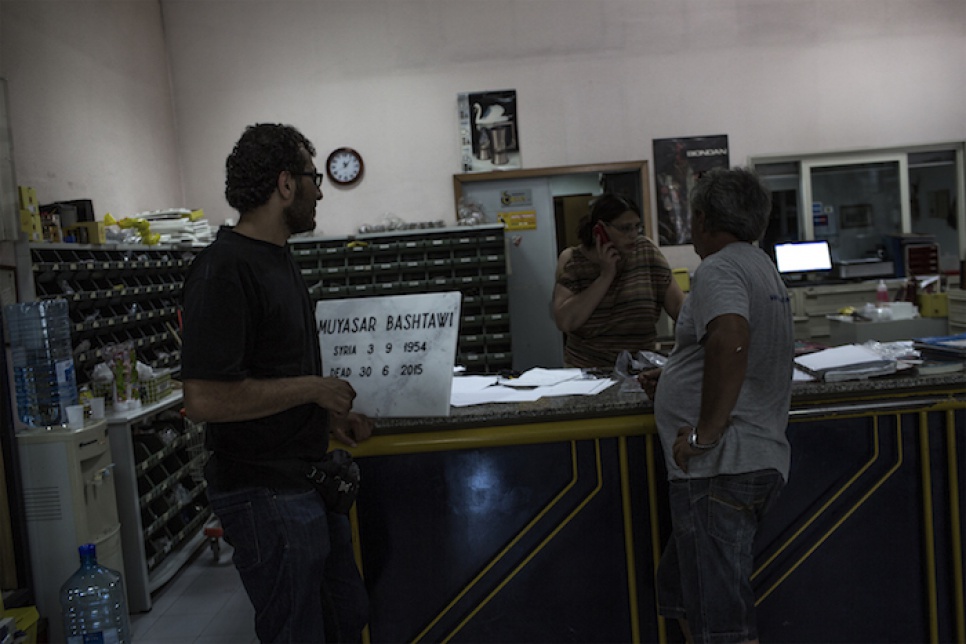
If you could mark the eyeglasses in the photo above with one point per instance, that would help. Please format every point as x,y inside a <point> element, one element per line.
<point>316,177</point>
<point>627,229</point>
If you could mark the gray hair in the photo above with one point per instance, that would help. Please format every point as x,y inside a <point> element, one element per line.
<point>733,201</point>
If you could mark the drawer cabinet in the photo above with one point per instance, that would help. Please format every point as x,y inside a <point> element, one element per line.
<point>115,294</point>
<point>119,293</point>
<point>469,260</point>
<point>160,493</point>
<point>169,460</point>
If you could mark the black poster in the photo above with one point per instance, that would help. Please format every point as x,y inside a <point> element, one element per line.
<point>677,165</point>
<point>488,131</point>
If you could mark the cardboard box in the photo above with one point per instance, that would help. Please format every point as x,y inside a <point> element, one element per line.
<point>933,305</point>
<point>26,618</point>
<point>28,199</point>
<point>683,277</point>
<point>88,232</point>
<point>50,224</point>
<point>29,210</point>
<point>30,223</point>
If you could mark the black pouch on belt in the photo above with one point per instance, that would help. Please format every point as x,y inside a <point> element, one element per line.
<point>336,477</point>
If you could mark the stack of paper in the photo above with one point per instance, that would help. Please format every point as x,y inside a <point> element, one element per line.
<point>175,225</point>
<point>848,362</point>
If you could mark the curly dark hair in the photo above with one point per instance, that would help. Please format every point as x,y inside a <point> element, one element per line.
<point>606,208</point>
<point>262,152</point>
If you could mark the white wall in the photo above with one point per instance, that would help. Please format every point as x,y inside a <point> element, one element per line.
<point>596,81</point>
<point>90,103</point>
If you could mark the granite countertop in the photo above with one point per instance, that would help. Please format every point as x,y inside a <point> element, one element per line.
<point>614,402</point>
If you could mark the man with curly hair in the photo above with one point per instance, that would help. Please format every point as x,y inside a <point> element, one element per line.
<point>252,371</point>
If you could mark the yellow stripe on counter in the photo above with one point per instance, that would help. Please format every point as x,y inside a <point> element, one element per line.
<point>823,508</point>
<point>845,517</point>
<point>929,530</point>
<point>955,521</point>
<point>525,434</point>
<point>543,543</point>
<point>628,512</point>
<point>655,523</point>
<point>509,546</point>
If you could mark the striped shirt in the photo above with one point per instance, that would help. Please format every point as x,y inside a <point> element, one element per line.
<point>627,316</point>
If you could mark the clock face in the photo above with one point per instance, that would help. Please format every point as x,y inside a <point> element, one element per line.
<point>344,166</point>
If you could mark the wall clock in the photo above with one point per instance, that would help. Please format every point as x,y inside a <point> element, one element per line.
<point>344,166</point>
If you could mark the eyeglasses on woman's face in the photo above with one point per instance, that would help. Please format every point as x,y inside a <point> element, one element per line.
<point>633,228</point>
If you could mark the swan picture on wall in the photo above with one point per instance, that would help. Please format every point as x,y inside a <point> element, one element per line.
<point>494,114</point>
<point>492,118</point>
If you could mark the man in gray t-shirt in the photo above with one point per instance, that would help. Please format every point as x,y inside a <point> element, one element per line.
<point>721,404</point>
<point>738,280</point>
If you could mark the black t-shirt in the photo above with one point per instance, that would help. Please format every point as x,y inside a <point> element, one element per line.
<point>247,314</point>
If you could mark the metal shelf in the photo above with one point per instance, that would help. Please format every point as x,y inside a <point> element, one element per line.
<point>132,293</point>
<point>115,293</point>
<point>469,260</point>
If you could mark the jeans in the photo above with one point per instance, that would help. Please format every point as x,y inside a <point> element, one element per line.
<point>296,562</point>
<point>705,572</point>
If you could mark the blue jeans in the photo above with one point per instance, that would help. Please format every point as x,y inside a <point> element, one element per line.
<point>296,562</point>
<point>705,572</point>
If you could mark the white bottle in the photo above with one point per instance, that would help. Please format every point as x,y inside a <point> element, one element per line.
<point>882,293</point>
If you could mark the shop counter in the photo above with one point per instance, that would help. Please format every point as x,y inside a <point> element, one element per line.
<point>544,521</point>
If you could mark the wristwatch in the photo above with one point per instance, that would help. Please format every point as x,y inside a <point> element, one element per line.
<point>694,444</point>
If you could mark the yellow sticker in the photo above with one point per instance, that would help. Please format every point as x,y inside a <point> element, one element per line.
<point>519,219</point>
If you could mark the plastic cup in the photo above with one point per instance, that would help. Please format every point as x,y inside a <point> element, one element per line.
<point>97,407</point>
<point>75,416</point>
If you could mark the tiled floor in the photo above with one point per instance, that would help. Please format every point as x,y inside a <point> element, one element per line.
<point>204,602</point>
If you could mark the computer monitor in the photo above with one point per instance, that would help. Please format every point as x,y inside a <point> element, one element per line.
<point>803,257</point>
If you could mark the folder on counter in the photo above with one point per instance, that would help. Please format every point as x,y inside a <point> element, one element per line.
<point>848,362</point>
<point>946,345</point>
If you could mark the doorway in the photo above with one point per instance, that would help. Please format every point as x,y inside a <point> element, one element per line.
<point>534,245</point>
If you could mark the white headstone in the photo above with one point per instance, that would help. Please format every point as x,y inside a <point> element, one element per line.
<point>397,351</point>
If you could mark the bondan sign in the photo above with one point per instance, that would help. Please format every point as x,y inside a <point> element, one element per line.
<point>397,351</point>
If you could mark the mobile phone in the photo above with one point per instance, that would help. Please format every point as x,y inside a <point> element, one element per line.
<point>600,233</point>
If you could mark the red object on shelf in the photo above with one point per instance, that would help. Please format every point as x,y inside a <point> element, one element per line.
<point>922,259</point>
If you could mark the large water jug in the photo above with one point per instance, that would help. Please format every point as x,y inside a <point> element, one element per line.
<point>93,604</point>
<point>43,361</point>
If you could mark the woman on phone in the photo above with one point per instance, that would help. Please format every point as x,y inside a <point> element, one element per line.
<point>610,289</point>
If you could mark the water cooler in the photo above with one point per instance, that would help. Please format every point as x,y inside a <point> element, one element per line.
<point>69,500</point>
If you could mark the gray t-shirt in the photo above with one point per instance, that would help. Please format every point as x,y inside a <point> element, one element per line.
<point>738,279</point>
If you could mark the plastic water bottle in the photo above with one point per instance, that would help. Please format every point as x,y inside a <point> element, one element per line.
<point>93,603</point>
<point>43,361</point>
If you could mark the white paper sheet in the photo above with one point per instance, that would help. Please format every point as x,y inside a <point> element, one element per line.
<point>848,354</point>
<point>577,388</point>
<point>470,384</point>
<point>478,393</point>
<point>539,377</point>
